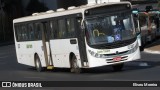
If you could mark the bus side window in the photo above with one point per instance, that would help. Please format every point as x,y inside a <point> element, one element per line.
<point>18,32</point>
<point>53,29</point>
<point>38,31</point>
<point>24,33</point>
<point>61,29</point>
<point>71,28</point>
<point>31,32</point>
<point>46,30</point>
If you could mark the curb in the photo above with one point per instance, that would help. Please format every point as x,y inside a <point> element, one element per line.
<point>151,51</point>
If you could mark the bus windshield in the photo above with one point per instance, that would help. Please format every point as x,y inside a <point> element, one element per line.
<point>111,28</point>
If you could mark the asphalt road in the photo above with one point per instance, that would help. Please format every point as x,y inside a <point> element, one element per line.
<point>145,69</point>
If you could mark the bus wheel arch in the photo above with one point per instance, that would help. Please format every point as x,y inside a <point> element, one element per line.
<point>74,67</point>
<point>37,62</point>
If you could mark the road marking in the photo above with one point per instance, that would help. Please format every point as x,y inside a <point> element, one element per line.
<point>143,64</point>
<point>151,51</point>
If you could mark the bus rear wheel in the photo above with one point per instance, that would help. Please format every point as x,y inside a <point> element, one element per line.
<point>118,67</point>
<point>74,65</point>
<point>38,64</point>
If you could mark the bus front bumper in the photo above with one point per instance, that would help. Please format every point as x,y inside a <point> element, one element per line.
<point>98,62</point>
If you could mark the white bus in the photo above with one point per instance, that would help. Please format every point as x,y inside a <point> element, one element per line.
<point>79,37</point>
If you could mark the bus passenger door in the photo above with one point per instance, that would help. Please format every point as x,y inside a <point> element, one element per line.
<point>46,46</point>
<point>81,43</point>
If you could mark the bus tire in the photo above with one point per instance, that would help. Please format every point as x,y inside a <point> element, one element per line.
<point>118,67</point>
<point>141,47</point>
<point>74,65</point>
<point>38,64</point>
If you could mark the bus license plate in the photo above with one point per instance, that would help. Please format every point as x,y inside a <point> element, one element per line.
<point>117,58</point>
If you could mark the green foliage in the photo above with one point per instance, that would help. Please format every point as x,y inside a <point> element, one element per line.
<point>36,6</point>
<point>159,3</point>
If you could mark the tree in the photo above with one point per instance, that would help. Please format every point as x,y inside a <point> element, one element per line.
<point>35,6</point>
<point>2,21</point>
<point>159,4</point>
<point>9,9</point>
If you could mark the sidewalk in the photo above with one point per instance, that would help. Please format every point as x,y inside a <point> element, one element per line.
<point>153,48</point>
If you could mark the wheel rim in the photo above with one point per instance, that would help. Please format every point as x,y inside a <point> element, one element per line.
<point>37,64</point>
<point>75,65</point>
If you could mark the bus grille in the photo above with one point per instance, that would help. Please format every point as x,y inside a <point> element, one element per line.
<point>115,54</point>
<point>112,61</point>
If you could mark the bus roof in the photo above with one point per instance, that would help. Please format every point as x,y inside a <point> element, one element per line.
<point>80,9</point>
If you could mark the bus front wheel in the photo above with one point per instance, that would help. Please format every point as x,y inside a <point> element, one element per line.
<point>38,64</point>
<point>118,67</point>
<point>74,65</point>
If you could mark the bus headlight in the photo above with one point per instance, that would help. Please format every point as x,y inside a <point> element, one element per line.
<point>95,54</point>
<point>134,49</point>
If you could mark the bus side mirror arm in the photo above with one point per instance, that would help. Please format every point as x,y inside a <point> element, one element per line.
<point>83,28</point>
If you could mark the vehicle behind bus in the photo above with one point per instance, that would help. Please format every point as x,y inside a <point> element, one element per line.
<point>148,24</point>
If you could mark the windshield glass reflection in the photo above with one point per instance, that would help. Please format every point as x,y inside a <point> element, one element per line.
<point>109,29</point>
